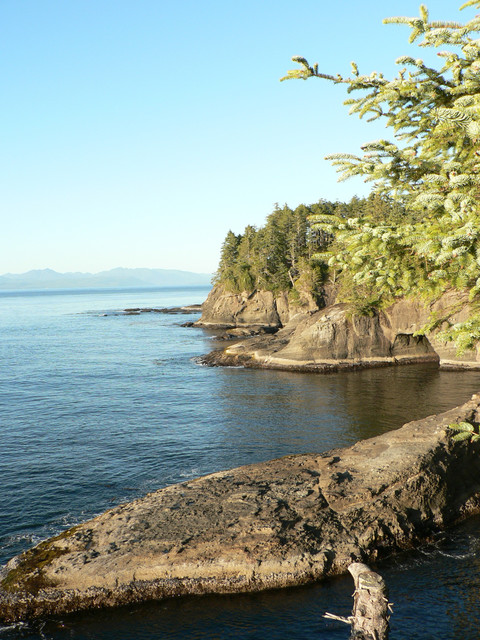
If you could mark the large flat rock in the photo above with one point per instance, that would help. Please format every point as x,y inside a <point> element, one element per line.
<point>279,523</point>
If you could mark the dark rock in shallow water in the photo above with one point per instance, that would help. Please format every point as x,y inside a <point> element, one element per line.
<point>274,524</point>
<point>192,308</point>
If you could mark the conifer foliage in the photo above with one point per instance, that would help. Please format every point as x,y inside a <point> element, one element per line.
<point>431,167</point>
<point>283,254</point>
<point>274,256</point>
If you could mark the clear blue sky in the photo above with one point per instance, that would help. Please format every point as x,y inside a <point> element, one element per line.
<point>136,133</point>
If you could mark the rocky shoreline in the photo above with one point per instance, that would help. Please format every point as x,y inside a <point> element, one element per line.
<point>275,524</point>
<point>274,334</point>
<point>233,357</point>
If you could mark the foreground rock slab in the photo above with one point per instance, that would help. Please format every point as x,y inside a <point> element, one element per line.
<point>274,524</point>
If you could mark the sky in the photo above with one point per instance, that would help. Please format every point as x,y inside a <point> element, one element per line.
<point>136,133</point>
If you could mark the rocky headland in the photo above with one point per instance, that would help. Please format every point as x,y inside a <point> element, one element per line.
<point>325,336</point>
<point>274,524</point>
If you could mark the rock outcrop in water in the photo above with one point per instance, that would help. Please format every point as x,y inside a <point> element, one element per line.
<point>261,309</point>
<point>331,338</point>
<point>274,524</point>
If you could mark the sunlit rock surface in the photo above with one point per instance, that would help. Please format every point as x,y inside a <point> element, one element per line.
<point>252,309</point>
<point>274,524</point>
<point>331,338</point>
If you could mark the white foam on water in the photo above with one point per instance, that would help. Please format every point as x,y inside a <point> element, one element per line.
<point>12,627</point>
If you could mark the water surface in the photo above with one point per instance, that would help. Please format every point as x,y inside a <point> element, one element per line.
<point>99,407</point>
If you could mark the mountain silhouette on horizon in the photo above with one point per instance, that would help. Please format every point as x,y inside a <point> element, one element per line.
<point>118,277</point>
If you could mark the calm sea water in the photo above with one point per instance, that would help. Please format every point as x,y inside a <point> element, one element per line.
<point>99,407</point>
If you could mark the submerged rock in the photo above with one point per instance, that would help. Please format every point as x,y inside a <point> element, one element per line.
<point>192,308</point>
<point>274,524</point>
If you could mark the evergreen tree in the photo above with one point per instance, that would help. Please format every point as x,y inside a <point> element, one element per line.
<point>384,209</point>
<point>278,255</point>
<point>318,239</point>
<point>431,170</point>
<point>245,276</point>
<point>296,240</point>
<point>272,250</point>
<point>226,273</point>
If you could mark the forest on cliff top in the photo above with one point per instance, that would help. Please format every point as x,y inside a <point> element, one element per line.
<point>427,240</point>
<point>285,253</point>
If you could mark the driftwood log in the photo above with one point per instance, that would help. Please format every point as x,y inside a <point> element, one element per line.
<point>371,609</point>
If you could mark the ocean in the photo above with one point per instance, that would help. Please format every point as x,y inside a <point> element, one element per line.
<point>98,407</point>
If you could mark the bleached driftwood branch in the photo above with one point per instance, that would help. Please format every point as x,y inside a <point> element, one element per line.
<point>371,609</point>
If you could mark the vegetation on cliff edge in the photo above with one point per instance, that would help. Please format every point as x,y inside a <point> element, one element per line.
<point>283,254</point>
<point>431,168</point>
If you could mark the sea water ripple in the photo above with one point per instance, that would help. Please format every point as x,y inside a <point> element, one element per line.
<point>99,407</point>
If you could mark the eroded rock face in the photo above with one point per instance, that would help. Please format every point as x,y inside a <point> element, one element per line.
<point>409,316</point>
<point>224,309</point>
<point>251,309</point>
<point>280,523</point>
<point>332,338</point>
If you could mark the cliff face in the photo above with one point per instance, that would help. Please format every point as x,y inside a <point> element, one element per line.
<point>274,524</point>
<point>331,338</point>
<point>255,309</point>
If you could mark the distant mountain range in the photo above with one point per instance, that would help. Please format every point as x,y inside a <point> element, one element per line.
<point>49,279</point>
